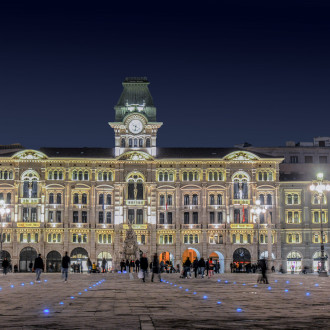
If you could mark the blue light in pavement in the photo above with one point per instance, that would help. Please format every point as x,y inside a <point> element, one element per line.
<point>85,290</point>
<point>239,310</point>
<point>72,297</point>
<point>308,293</point>
<point>316,284</point>
<point>61,303</point>
<point>180,287</point>
<point>256,285</point>
<point>171,283</point>
<point>275,281</point>
<point>219,280</point>
<point>226,282</point>
<point>287,282</point>
<point>22,284</point>
<point>12,286</point>
<point>79,292</point>
<point>119,272</point>
<point>31,283</point>
<point>187,289</point>
<point>286,290</point>
<point>300,283</point>
<point>219,302</point>
<point>46,311</point>
<point>174,284</point>
<point>195,292</point>
<point>205,297</point>
<point>269,288</point>
<point>244,284</point>
<point>46,280</point>
<point>90,287</point>
<point>234,283</point>
<point>0,288</point>
<point>93,284</point>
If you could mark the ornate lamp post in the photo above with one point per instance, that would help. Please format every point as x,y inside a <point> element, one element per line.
<point>256,211</point>
<point>320,189</point>
<point>3,210</point>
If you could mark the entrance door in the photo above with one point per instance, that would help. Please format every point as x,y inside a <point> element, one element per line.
<point>241,259</point>
<point>79,258</point>
<point>26,256</point>
<point>53,262</point>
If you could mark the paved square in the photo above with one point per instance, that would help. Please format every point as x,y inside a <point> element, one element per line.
<point>114,301</point>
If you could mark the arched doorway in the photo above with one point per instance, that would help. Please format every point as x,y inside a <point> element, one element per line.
<point>191,253</point>
<point>53,262</point>
<point>317,261</point>
<point>218,257</point>
<point>5,254</point>
<point>168,259</point>
<point>293,262</point>
<point>107,256</point>
<point>241,259</point>
<point>79,258</point>
<point>27,256</point>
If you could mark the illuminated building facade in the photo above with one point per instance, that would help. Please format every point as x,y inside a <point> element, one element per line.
<point>180,201</point>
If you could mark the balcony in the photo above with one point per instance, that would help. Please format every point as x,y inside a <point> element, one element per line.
<point>29,200</point>
<point>131,202</point>
<point>241,201</point>
<point>54,225</point>
<point>191,226</point>
<point>190,207</point>
<point>104,226</point>
<point>136,226</point>
<point>242,226</point>
<point>28,224</point>
<point>165,226</point>
<point>216,226</point>
<point>79,225</point>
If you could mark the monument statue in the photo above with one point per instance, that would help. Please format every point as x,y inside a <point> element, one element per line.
<point>130,248</point>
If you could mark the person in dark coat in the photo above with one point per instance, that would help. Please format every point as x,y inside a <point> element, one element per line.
<point>38,266</point>
<point>144,266</point>
<point>155,268</point>
<point>201,266</point>
<point>127,265</point>
<point>104,263</point>
<point>122,265</point>
<point>65,266</point>
<point>137,265</point>
<point>263,268</point>
<point>5,266</point>
<point>186,267</point>
<point>195,266</point>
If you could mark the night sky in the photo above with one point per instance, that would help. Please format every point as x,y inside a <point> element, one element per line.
<point>221,72</point>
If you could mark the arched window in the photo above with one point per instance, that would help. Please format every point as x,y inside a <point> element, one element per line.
<point>80,175</point>
<point>99,176</point>
<point>135,143</point>
<point>240,180</point>
<point>9,198</point>
<point>101,199</point>
<point>219,199</point>
<point>122,143</point>
<point>58,198</point>
<point>191,176</point>
<point>185,176</point>
<point>196,176</point>
<point>11,175</point>
<point>169,200</point>
<point>60,175</point>
<point>270,176</point>
<point>100,217</point>
<point>75,198</point>
<point>195,199</point>
<point>50,176</point>
<point>211,199</point>
<point>148,143</point>
<point>105,176</point>
<point>84,199</point>
<point>166,176</point>
<point>108,199</point>
<point>161,200</point>
<point>160,176</point>
<point>55,175</point>
<point>289,199</point>
<point>215,176</point>
<point>249,238</point>
<point>171,176</point>
<point>185,239</point>
<point>186,200</point>
<point>261,238</point>
<point>269,199</point>
<point>191,239</point>
<point>260,176</point>
<point>51,198</point>
<point>234,238</point>
<point>262,199</point>
<point>135,189</point>
<point>295,199</point>
<point>130,143</point>
<point>140,143</point>
<point>241,238</point>
<point>210,176</point>
<point>86,176</point>
<point>139,217</point>
<point>196,239</point>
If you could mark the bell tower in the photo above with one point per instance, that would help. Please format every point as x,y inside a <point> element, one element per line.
<point>135,126</point>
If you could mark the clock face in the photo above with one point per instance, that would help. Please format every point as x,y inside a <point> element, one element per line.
<point>135,126</point>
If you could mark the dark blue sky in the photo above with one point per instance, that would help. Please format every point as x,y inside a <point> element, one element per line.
<point>221,72</point>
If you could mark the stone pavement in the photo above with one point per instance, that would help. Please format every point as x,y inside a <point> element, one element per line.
<point>86,302</point>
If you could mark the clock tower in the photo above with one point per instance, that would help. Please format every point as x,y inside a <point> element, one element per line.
<point>135,126</point>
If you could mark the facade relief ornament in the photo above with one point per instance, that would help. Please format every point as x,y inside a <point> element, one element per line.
<point>135,156</point>
<point>29,155</point>
<point>241,156</point>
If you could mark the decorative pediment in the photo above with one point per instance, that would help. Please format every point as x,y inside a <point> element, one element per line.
<point>135,156</point>
<point>29,155</point>
<point>241,156</point>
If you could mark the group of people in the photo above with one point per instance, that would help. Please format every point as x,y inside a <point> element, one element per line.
<point>154,265</point>
<point>198,267</point>
<point>134,266</point>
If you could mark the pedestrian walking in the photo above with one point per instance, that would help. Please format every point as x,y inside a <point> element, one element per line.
<point>201,266</point>
<point>211,268</point>
<point>186,267</point>
<point>127,265</point>
<point>263,267</point>
<point>38,267</point>
<point>5,266</point>
<point>122,265</point>
<point>137,265</point>
<point>207,268</point>
<point>89,265</point>
<point>65,266</point>
<point>104,263</point>
<point>195,266</point>
<point>144,266</point>
<point>155,268</point>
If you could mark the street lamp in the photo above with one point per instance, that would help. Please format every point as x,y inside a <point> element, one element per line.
<point>3,210</point>
<point>257,210</point>
<point>320,188</point>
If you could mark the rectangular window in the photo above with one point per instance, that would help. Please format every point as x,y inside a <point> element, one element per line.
<point>100,217</point>
<point>84,216</point>
<point>211,217</point>
<point>308,159</point>
<point>186,218</point>
<point>50,216</point>
<point>323,159</point>
<point>108,217</point>
<point>294,159</point>
<point>139,217</point>
<point>34,214</point>
<point>75,216</point>
<point>161,218</point>
<point>58,216</point>
<point>195,218</point>
<point>169,218</point>
<point>220,217</point>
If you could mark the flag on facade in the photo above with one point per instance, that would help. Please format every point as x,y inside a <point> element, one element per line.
<point>166,201</point>
<point>243,214</point>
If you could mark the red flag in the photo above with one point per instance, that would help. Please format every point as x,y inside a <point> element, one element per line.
<point>243,214</point>
<point>166,200</point>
